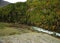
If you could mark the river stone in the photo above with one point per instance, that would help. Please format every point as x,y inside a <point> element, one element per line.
<point>29,38</point>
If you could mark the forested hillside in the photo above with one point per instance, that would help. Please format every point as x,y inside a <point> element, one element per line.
<point>41,13</point>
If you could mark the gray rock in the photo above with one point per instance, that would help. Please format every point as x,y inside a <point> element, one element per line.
<point>29,38</point>
<point>3,3</point>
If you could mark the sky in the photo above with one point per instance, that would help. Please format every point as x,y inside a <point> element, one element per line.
<point>14,1</point>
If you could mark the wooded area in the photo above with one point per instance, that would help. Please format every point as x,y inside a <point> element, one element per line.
<point>41,13</point>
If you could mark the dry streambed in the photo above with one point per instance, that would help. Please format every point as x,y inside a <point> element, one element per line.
<point>29,38</point>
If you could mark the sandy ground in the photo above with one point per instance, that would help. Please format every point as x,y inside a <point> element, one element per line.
<point>29,38</point>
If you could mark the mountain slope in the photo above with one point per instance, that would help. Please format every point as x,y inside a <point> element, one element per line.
<point>44,14</point>
<point>3,3</point>
<point>41,13</point>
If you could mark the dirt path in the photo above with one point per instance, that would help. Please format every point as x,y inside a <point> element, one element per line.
<point>29,38</point>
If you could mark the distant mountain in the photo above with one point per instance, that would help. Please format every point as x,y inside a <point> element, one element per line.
<point>3,3</point>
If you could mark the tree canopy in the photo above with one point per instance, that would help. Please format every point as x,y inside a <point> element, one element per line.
<point>41,13</point>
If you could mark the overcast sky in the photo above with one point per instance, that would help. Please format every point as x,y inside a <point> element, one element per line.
<point>14,1</point>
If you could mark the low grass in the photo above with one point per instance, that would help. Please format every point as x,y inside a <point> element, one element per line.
<point>12,29</point>
<point>8,31</point>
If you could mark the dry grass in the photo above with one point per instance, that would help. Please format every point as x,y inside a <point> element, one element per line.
<point>8,31</point>
<point>12,29</point>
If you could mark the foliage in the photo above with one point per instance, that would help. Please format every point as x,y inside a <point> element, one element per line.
<point>42,13</point>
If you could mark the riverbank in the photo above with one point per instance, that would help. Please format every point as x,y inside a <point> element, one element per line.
<point>7,29</point>
<point>55,34</point>
<point>29,38</point>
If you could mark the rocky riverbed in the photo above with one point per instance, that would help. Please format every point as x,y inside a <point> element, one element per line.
<point>29,38</point>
